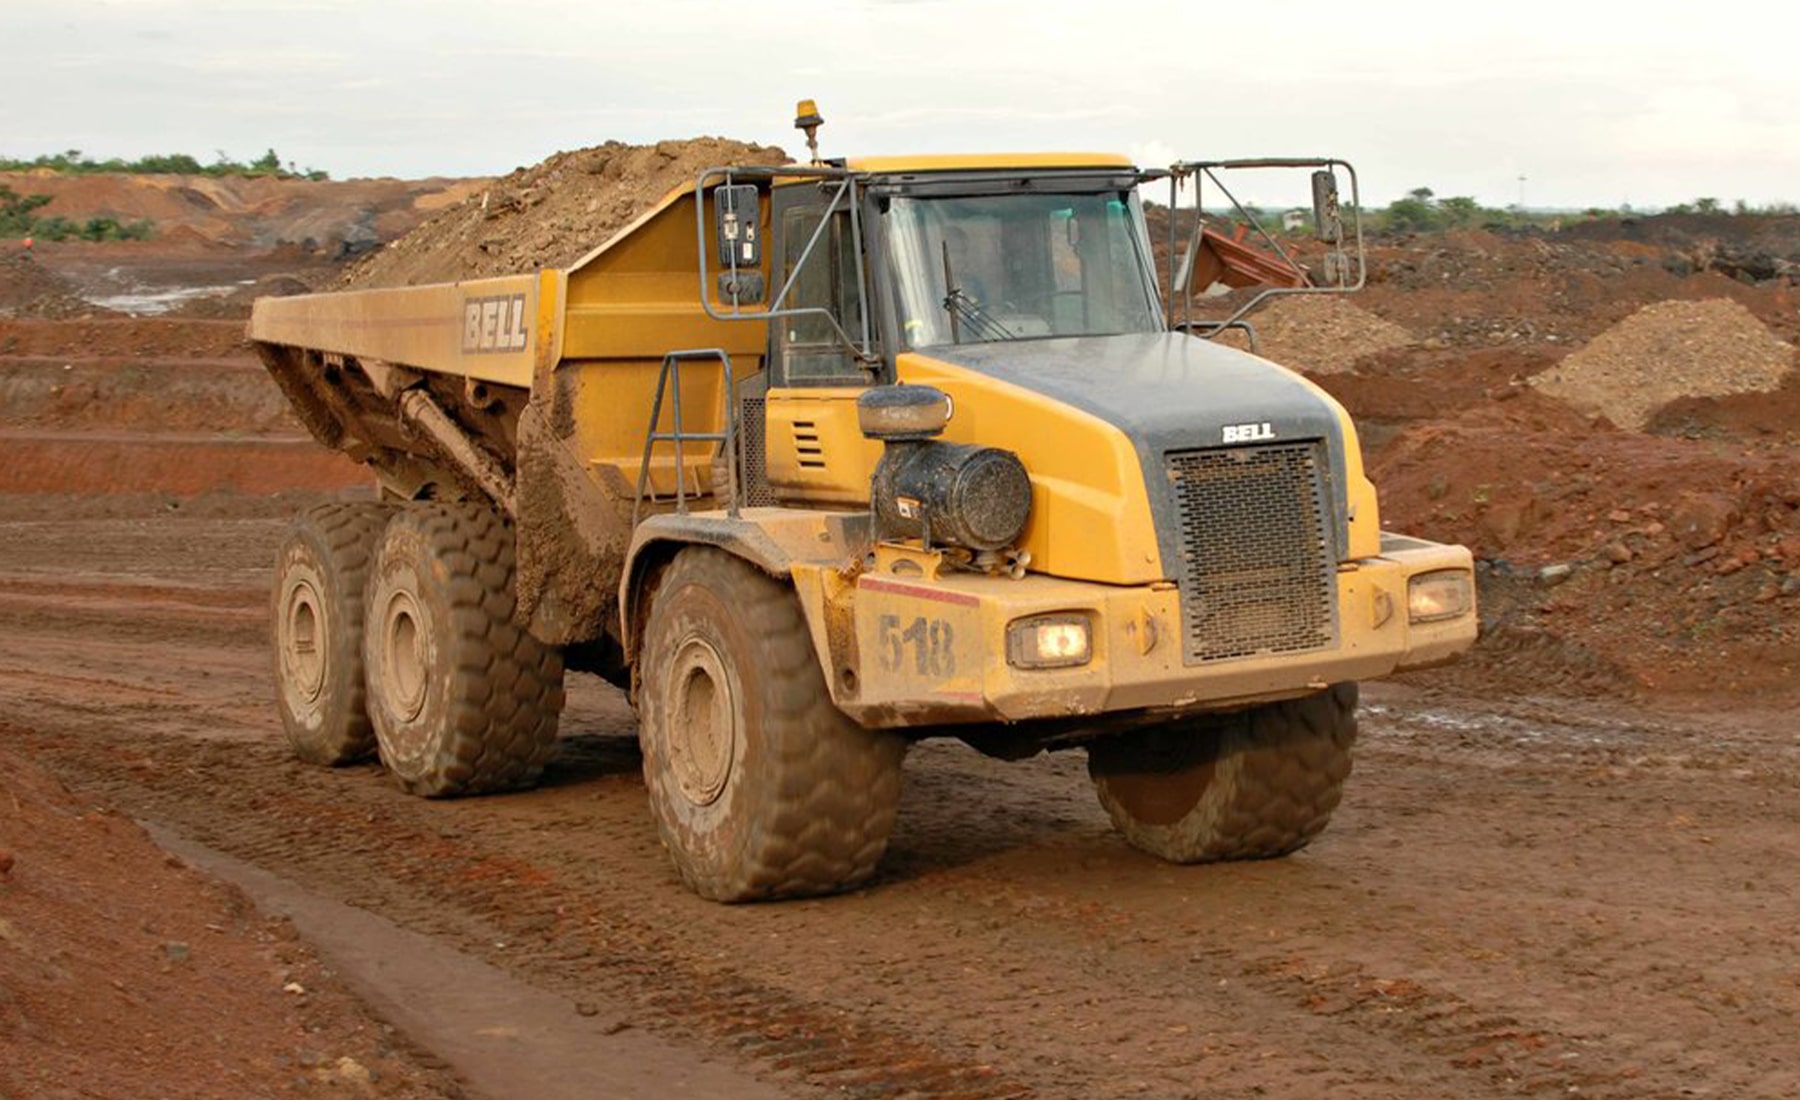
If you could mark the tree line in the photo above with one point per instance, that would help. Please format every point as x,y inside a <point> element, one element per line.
<point>1420,210</point>
<point>171,164</point>
<point>19,218</point>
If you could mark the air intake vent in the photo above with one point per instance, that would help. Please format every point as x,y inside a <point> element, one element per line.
<point>1257,573</point>
<point>807,445</point>
<point>757,493</point>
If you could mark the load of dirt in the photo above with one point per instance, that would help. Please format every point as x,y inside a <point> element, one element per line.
<point>123,972</point>
<point>552,214</point>
<point>1321,333</point>
<point>29,289</point>
<point>1665,352</point>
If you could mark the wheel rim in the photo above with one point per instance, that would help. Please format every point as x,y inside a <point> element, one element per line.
<point>303,640</point>
<point>1161,799</point>
<point>703,723</point>
<point>1162,781</point>
<point>404,663</point>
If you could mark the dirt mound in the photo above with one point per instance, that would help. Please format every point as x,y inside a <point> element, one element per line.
<point>125,973</point>
<point>124,337</point>
<point>159,408</point>
<point>1675,561</point>
<point>1539,497</point>
<point>28,289</point>
<point>1474,289</point>
<point>337,216</point>
<point>1748,247</point>
<point>549,215</point>
<point>229,396</point>
<point>125,464</point>
<point>1322,334</point>
<point>1667,351</point>
<point>1749,416</point>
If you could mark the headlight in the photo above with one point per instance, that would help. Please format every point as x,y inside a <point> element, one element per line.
<point>1049,641</point>
<point>1444,594</point>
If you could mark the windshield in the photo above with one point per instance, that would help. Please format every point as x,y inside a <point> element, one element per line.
<point>974,269</point>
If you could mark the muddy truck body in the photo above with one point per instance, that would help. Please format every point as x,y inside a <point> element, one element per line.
<point>819,460</point>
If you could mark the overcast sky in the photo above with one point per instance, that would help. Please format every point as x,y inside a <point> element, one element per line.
<point>1647,103</point>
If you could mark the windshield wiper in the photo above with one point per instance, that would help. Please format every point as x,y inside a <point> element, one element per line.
<point>961,308</point>
<point>969,310</point>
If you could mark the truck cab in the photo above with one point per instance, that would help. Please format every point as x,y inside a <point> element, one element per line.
<point>1197,524</point>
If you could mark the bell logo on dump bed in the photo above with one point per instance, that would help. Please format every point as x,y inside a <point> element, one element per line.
<point>495,324</point>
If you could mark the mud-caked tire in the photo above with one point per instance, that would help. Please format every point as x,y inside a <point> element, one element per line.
<point>1254,784</point>
<point>761,787</point>
<point>316,617</point>
<point>463,700</point>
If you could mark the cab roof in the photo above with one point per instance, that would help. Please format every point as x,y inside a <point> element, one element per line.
<point>962,162</point>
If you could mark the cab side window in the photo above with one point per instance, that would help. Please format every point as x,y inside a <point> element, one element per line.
<point>810,351</point>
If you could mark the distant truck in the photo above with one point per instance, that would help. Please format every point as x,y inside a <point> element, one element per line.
<point>819,460</point>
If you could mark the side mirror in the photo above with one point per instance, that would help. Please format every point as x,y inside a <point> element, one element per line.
<point>738,211</point>
<point>1327,225</point>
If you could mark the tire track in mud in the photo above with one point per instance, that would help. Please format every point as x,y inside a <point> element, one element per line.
<point>1417,1027</point>
<point>551,930</point>
<point>1345,1030</point>
<point>1009,948</point>
<point>118,615</point>
<point>1515,736</point>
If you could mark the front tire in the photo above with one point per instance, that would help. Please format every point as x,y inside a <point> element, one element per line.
<point>463,700</point>
<point>760,786</point>
<point>320,574</point>
<point>1255,784</point>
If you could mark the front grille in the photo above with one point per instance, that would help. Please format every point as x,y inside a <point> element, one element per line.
<point>1256,570</point>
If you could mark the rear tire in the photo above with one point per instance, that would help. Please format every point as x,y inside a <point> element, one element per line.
<point>760,786</point>
<point>1254,784</point>
<point>463,700</point>
<point>317,618</point>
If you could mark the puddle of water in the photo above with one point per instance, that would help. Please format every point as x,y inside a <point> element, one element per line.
<point>1407,723</point>
<point>149,301</point>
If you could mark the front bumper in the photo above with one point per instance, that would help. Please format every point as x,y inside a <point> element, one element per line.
<point>911,651</point>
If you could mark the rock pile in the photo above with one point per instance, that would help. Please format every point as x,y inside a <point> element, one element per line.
<point>1321,334</point>
<point>1667,351</point>
<point>29,289</point>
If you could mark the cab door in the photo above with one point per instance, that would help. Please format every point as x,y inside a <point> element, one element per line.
<point>814,450</point>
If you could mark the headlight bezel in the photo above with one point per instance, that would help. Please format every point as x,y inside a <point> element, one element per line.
<point>1025,641</point>
<point>1440,595</point>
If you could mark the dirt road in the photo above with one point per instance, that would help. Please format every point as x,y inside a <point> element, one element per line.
<point>1518,898</point>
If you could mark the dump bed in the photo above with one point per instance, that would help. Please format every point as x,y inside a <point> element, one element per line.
<point>633,297</point>
<point>494,330</point>
<point>431,384</point>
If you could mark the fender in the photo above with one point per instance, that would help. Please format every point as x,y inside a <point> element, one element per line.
<point>775,540</point>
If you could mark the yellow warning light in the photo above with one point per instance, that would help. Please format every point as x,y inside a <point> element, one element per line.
<point>807,117</point>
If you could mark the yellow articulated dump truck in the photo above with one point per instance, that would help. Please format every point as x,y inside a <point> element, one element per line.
<point>819,460</point>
